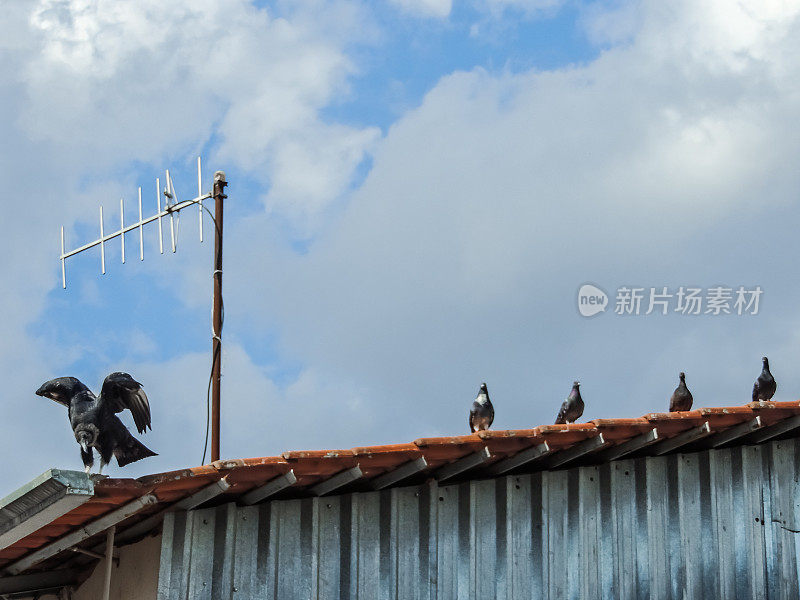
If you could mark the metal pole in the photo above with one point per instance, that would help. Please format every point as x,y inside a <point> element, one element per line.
<point>109,560</point>
<point>219,196</point>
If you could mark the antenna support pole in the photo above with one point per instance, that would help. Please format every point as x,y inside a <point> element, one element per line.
<point>216,349</point>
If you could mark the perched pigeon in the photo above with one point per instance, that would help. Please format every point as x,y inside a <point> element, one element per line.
<point>765,386</point>
<point>94,421</point>
<point>681,397</point>
<point>572,408</point>
<point>481,414</point>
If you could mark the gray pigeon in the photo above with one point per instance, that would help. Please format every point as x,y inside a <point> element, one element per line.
<point>765,386</point>
<point>572,408</point>
<point>93,419</point>
<point>681,398</point>
<point>482,413</point>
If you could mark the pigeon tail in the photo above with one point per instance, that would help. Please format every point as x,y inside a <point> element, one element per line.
<point>131,450</point>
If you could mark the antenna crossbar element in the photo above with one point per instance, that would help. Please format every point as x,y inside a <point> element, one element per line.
<point>110,236</point>
<point>171,207</point>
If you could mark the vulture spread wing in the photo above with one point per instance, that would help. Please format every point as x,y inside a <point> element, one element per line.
<point>122,391</point>
<point>60,389</point>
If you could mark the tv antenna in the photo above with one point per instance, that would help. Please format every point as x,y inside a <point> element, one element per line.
<point>171,210</point>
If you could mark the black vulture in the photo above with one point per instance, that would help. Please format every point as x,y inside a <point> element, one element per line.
<point>94,421</point>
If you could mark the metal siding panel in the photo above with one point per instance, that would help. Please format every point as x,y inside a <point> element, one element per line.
<point>501,539</point>
<point>623,510</point>
<point>641,478</point>
<point>589,519</point>
<point>465,545</point>
<point>329,530</point>
<point>447,558</point>
<point>484,523</point>
<point>245,567</point>
<point>572,535</point>
<point>725,515</point>
<point>678,563</point>
<point>658,529</point>
<point>268,527</point>
<point>519,538</point>
<point>167,564</point>
<point>431,499</point>
<point>753,519</point>
<point>681,526</point>
<point>608,535</point>
<point>741,521</point>
<point>691,525</point>
<point>289,560</point>
<point>202,554</point>
<point>224,541</point>
<point>539,570</point>
<point>407,548</point>
<point>557,528</point>
<point>773,586</point>
<point>707,534</point>
<point>366,520</point>
<point>796,504</point>
<point>782,517</point>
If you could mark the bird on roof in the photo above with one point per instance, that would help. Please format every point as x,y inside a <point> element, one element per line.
<point>572,407</point>
<point>94,421</point>
<point>681,398</point>
<point>481,414</point>
<point>765,386</point>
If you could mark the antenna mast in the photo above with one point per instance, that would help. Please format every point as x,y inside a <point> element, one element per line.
<point>216,344</point>
<point>171,208</point>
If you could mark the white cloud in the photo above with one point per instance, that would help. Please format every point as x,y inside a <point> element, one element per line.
<point>152,78</point>
<point>425,8</point>
<point>487,206</point>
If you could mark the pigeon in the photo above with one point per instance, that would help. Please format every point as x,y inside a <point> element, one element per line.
<point>681,398</point>
<point>93,419</point>
<point>572,408</point>
<point>765,386</point>
<point>481,414</point>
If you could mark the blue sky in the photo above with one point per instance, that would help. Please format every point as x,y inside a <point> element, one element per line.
<point>418,188</point>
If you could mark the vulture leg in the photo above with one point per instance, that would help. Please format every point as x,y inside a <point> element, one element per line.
<point>88,460</point>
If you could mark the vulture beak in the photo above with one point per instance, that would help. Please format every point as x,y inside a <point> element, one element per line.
<point>84,447</point>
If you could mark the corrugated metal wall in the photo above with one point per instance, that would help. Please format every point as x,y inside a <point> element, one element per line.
<point>714,524</point>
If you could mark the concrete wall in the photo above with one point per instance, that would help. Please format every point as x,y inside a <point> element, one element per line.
<point>713,524</point>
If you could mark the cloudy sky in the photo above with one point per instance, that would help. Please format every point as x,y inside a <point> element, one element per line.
<point>418,188</point>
